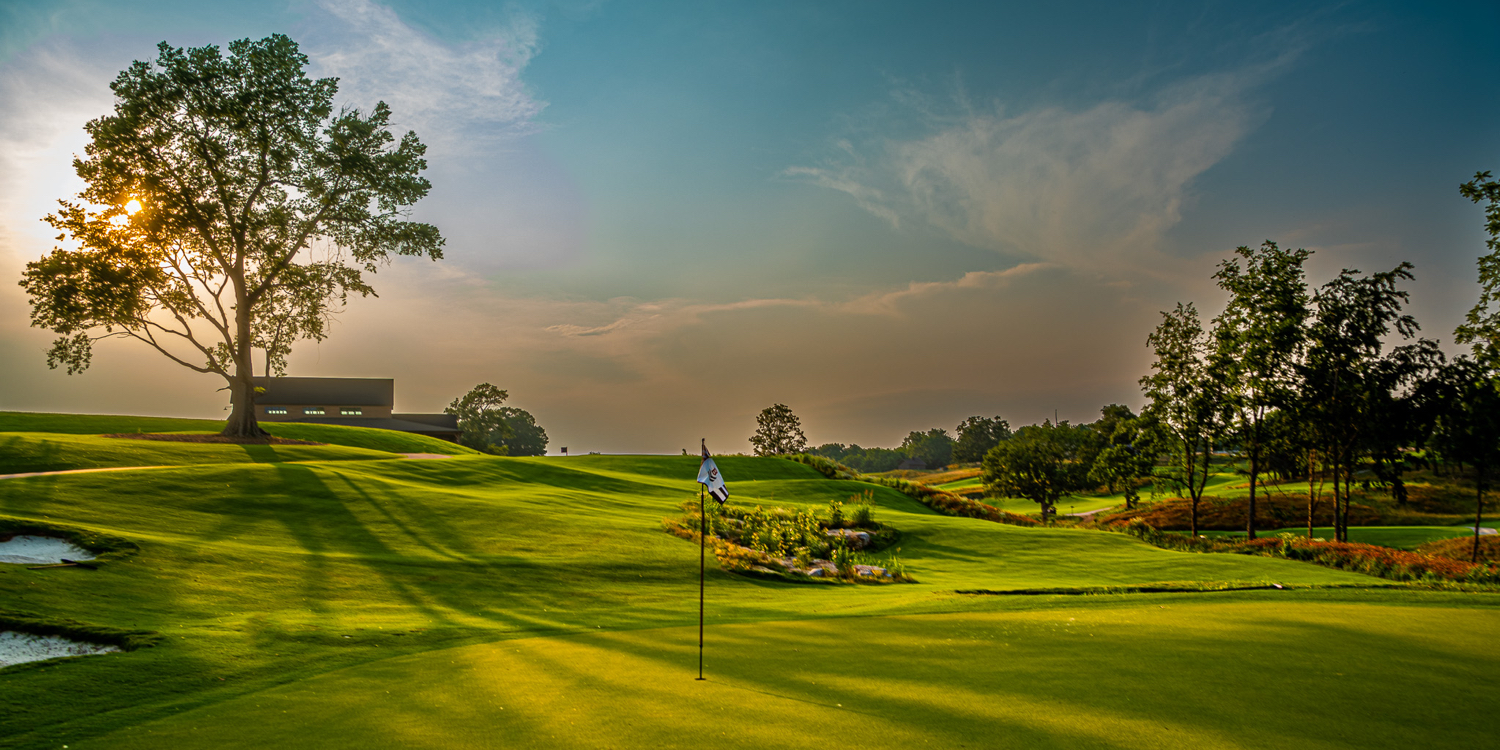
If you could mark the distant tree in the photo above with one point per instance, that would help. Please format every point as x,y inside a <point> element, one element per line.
<point>1468,429</point>
<point>1186,402</point>
<point>1257,337</point>
<point>835,451</point>
<point>976,436</point>
<point>933,447</point>
<point>1037,463</point>
<point>1481,328</point>
<point>226,205</point>
<point>481,416</point>
<point>520,435</point>
<point>873,460</point>
<point>779,432</point>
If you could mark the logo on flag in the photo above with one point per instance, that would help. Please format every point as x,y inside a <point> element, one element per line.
<point>710,478</point>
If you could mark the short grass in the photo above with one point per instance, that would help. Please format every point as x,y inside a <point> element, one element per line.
<point>1053,678</point>
<point>511,602</point>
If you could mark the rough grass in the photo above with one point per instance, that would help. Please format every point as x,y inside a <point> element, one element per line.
<point>314,588</point>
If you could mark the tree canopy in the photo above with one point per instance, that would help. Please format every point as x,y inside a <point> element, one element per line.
<point>1481,328</point>
<point>226,205</point>
<point>976,436</point>
<point>520,434</point>
<point>933,447</point>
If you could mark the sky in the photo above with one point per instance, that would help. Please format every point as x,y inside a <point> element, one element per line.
<point>663,217</point>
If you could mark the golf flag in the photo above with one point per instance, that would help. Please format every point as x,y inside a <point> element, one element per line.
<point>708,476</point>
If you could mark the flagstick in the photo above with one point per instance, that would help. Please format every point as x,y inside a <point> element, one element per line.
<point>702,545</point>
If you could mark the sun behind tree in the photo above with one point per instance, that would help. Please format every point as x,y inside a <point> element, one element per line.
<point>226,203</point>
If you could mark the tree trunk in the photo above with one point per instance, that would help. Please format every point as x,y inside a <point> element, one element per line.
<point>1312,497</point>
<point>1337,529</point>
<point>1254,471</point>
<point>241,422</point>
<point>1478,512</point>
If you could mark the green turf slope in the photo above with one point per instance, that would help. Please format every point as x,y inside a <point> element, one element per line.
<point>31,442</point>
<point>336,578</point>
<point>22,452</point>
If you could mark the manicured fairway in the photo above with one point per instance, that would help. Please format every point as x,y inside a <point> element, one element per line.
<point>1137,674</point>
<point>466,584</point>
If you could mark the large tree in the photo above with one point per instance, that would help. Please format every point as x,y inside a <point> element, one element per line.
<point>778,431</point>
<point>1186,401</point>
<point>1256,338</point>
<point>1351,390</point>
<point>227,205</point>
<point>1482,326</point>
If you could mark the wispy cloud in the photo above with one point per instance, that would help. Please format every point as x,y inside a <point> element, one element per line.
<point>1083,186</point>
<point>471,92</point>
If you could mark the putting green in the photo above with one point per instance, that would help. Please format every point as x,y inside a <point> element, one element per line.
<point>1136,675</point>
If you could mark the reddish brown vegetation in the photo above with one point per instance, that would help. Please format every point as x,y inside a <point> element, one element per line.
<point>1273,512</point>
<point>1461,547</point>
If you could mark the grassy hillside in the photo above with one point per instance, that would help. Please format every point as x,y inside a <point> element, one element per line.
<point>31,442</point>
<point>536,602</point>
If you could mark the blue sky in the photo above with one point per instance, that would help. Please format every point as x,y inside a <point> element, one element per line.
<point>663,217</point>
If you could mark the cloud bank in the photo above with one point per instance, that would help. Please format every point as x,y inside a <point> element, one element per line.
<point>458,96</point>
<point>1090,186</point>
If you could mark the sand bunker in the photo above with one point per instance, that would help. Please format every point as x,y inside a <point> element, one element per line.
<point>19,648</point>
<point>40,550</point>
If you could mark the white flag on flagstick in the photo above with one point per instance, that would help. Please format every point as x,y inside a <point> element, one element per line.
<point>709,476</point>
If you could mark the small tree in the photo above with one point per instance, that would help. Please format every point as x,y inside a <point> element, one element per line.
<point>226,205</point>
<point>1186,401</point>
<point>976,436</point>
<point>1468,429</point>
<point>779,432</point>
<point>1128,456</point>
<point>481,417</point>
<point>1036,463</point>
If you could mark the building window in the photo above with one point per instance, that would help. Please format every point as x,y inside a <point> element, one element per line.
<point>318,410</point>
<point>351,412</point>
<point>275,409</point>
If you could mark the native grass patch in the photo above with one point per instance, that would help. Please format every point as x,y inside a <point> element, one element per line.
<point>1461,548</point>
<point>1369,559</point>
<point>842,545</point>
